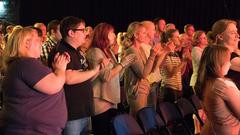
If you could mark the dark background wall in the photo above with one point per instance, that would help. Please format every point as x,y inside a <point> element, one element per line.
<point>119,13</point>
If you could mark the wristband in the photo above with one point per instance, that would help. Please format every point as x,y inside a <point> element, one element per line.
<point>121,65</point>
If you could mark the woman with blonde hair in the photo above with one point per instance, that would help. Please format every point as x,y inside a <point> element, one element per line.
<point>31,103</point>
<point>135,82</point>
<point>199,43</point>
<point>220,97</point>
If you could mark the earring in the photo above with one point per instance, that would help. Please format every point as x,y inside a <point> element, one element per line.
<point>219,37</point>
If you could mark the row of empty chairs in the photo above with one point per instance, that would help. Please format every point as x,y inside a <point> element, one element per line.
<point>169,119</point>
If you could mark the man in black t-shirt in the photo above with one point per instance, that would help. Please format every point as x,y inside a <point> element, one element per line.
<point>77,88</point>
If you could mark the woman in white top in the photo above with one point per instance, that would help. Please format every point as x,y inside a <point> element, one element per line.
<point>199,43</point>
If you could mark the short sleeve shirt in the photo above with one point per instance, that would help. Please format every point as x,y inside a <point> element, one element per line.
<point>79,97</point>
<point>26,107</point>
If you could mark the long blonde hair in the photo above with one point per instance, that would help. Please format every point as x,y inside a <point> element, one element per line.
<point>14,43</point>
<point>129,38</point>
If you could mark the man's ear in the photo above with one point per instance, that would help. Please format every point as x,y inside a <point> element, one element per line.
<point>70,33</point>
<point>51,31</point>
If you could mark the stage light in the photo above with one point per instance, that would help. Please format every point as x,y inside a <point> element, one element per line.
<point>2,8</point>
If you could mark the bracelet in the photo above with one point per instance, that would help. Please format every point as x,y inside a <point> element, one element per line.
<point>121,65</point>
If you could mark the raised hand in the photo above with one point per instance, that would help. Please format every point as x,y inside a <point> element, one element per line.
<point>104,63</point>
<point>96,69</point>
<point>127,60</point>
<point>170,46</point>
<point>155,49</point>
<point>60,61</point>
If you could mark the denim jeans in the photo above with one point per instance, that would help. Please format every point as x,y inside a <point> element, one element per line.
<point>77,127</point>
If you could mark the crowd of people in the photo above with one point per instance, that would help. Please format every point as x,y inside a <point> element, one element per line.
<point>71,79</point>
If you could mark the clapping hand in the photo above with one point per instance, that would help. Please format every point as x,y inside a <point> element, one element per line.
<point>127,60</point>
<point>61,61</point>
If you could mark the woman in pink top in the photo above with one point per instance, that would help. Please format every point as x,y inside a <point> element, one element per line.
<point>220,96</point>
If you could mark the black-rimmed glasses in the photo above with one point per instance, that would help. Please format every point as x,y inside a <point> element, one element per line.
<point>83,29</point>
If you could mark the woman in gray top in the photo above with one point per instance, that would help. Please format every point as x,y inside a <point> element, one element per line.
<point>135,82</point>
<point>106,86</point>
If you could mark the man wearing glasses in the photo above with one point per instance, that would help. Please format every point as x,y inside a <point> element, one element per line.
<point>77,88</point>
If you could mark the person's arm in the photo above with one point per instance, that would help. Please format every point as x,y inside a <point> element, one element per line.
<point>76,76</point>
<point>141,70</point>
<point>160,58</point>
<point>233,100</point>
<point>235,64</point>
<point>170,46</point>
<point>53,82</point>
<point>96,57</point>
<point>231,96</point>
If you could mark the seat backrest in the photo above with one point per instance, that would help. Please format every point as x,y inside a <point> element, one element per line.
<point>169,112</point>
<point>149,119</point>
<point>185,107</point>
<point>187,110</point>
<point>125,124</point>
<point>151,123</point>
<point>173,118</point>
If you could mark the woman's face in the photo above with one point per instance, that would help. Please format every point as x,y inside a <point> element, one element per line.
<point>113,42</point>
<point>176,40</point>
<point>35,44</point>
<point>203,39</point>
<point>112,37</point>
<point>141,34</point>
<point>230,36</point>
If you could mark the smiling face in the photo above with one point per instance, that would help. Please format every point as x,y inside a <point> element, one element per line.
<point>113,42</point>
<point>78,34</point>
<point>203,39</point>
<point>230,36</point>
<point>175,39</point>
<point>141,34</point>
<point>111,37</point>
